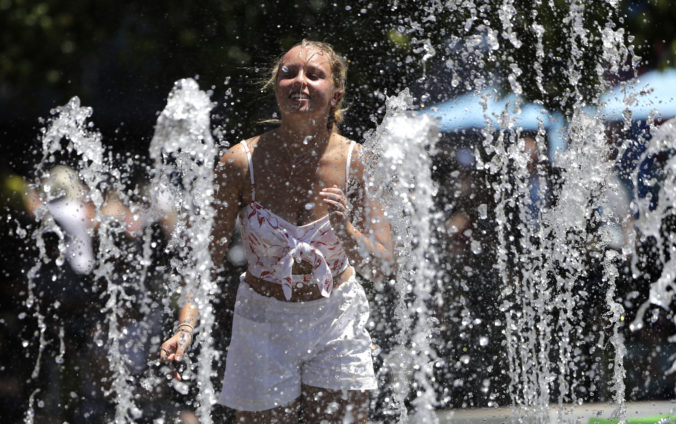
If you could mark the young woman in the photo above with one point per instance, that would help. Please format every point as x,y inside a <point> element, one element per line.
<point>299,338</point>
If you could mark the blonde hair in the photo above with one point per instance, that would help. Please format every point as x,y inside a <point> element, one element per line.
<point>338,71</point>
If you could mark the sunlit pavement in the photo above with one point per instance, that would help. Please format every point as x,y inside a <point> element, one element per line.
<point>578,414</point>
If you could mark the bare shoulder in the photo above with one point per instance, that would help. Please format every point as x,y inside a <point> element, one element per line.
<point>355,152</point>
<point>342,145</point>
<point>235,158</point>
<point>341,141</point>
<point>233,166</point>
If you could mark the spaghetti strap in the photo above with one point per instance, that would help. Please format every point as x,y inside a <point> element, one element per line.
<point>251,173</point>
<point>347,163</point>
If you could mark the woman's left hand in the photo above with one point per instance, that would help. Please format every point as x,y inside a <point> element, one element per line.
<point>337,203</point>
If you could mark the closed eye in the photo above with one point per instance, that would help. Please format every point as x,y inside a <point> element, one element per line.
<point>315,73</point>
<point>287,72</point>
<point>291,71</point>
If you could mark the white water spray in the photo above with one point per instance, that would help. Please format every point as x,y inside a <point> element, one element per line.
<point>183,148</point>
<point>399,165</point>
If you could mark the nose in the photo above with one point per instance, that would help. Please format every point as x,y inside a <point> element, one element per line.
<point>301,78</point>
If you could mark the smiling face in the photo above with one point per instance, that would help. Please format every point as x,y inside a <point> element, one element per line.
<point>304,85</point>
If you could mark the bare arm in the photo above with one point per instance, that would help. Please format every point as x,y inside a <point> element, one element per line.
<point>230,174</point>
<point>227,203</point>
<point>364,231</point>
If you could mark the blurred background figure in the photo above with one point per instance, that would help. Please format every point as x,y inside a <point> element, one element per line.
<point>74,294</point>
<point>70,301</point>
<point>162,208</point>
<point>64,195</point>
<point>113,208</point>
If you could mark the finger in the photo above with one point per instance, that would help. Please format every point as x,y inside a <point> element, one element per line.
<point>165,350</point>
<point>183,343</point>
<point>341,215</point>
<point>335,197</point>
<point>335,206</point>
<point>332,194</point>
<point>332,202</point>
<point>179,355</point>
<point>333,190</point>
<point>336,213</point>
<point>174,373</point>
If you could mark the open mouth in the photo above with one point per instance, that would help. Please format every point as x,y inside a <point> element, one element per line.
<point>299,96</point>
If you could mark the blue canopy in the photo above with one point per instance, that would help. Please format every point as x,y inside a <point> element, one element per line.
<point>654,91</point>
<point>467,111</point>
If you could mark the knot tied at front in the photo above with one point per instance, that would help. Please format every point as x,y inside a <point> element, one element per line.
<point>303,251</point>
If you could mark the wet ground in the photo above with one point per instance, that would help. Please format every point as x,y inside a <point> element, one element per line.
<point>577,414</point>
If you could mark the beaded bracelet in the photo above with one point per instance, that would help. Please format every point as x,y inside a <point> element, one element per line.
<point>185,324</point>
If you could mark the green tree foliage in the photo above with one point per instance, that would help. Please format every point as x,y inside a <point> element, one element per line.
<point>651,22</point>
<point>105,50</point>
<point>122,57</point>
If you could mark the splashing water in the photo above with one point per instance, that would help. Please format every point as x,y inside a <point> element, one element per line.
<point>652,220</point>
<point>183,153</point>
<point>183,146</point>
<point>548,234</point>
<point>398,161</point>
<point>70,123</point>
<point>544,238</point>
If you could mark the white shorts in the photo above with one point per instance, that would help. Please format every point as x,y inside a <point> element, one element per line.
<point>276,346</point>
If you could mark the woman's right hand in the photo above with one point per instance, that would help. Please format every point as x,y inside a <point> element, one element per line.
<point>174,348</point>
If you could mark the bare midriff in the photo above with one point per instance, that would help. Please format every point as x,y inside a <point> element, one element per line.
<point>301,293</point>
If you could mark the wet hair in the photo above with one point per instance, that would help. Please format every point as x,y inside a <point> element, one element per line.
<point>338,71</point>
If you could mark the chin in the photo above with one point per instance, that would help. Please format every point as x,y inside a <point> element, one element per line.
<point>302,112</point>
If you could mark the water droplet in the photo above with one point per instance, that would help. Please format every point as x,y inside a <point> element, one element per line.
<point>136,412</point>
<point>636,325</point>
<point>483,211</point>
<point>483,341</point>
<point>180,387</point>
<point>465,359</point>
<point>332,408</point>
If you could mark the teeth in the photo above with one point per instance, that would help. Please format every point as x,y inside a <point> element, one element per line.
<point>299,96</point>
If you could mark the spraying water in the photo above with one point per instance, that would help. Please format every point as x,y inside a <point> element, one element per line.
<point>183,147</point>
<point>397,151</point>
<point>548,216</point>
<point>70,124</point>
<point>654,214</point>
